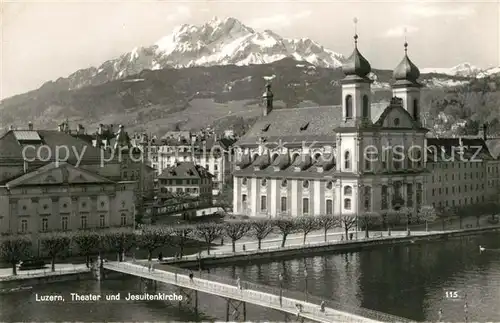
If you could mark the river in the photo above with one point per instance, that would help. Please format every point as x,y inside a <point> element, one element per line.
<point>409,281</point>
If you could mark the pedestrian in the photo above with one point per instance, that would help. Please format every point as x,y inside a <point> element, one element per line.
<point>160,256</point>
<point>222,241</point>
<point>299,309</point>
<point>322,306</point>
<point>440,314</point>
<point>238,282</point>
<point>244,248</point>
<point>280,278</point>
<point>342,238</point>
<point>351,235</point>
<point>191,275</point>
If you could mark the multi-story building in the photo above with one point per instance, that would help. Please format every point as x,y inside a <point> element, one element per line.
<point>349,159</point>
<point>208,151</point>
<point>189,178</point>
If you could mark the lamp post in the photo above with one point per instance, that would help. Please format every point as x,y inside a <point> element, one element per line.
<point>305,291</point>
<point>281,289</point>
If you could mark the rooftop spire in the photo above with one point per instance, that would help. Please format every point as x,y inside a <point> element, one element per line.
<point>406,43</point>
<point>406,73</point>
<point>355,20</point>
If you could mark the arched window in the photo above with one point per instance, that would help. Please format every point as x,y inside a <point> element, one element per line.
<point>294,157</point>
<point>347,204</point>
<point>347,160</point>
<point>329,185</point>
<point>348,106</point>
<point>416,109</point>
<point>317,157</point>
<point>347,191</point>
<point>366,106</point>
<point>275,156</point>
<point>384,193</point>
<point>305,184</point>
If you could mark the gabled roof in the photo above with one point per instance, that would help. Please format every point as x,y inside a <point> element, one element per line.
<point>58,174</point>
<point>397,107</point>
<point>185,170</point>
<point>12,146</point>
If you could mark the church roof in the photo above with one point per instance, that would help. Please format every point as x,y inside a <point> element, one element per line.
<point>356,65</point>
<point>293,126</point>
<point>406,72</point>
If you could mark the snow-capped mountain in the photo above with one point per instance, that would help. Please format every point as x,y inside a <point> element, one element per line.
<point>464,69</point>
<point>217,42</point>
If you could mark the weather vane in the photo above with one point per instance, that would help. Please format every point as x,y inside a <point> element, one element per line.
<point>355,20</point>
<point>406,43</point>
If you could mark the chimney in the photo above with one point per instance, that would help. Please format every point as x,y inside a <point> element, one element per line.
<point>30,126</point>
<point>485,132</point>
<point>11,127</point>
<point>80,130</point>
<point>267,98</point>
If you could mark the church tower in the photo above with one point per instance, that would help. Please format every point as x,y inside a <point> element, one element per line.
<point>356,90</point>
<point>406,86</point>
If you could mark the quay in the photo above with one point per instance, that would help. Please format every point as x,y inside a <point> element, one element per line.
<point>226,256</point>
<point>63,272</point>
<point>275,298</point>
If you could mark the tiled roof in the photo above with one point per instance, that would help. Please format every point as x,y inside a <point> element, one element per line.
<point>185,170</point>
<point>449,148</point>
<point>11,149</point>
<point>301,124</point>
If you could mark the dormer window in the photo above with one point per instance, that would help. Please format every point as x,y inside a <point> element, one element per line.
<point>284,183</point>
<point>266,127</point>
<point>396,122</point>
<point>304,126</point>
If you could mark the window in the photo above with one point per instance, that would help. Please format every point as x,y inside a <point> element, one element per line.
<point>329,207</point>
<point>123,219</point>
<point>83,221</point>
<point>347,204</point>
<point>284,183</point>
<point>45,224</point>
<point>366,106</point>
<point>102,221</point>
<point>347,160</point>
<point>244,201</point>
<point>416,109</point>
<point>384,193</point>
<point>329,185</point>
<point>409,195</point>
<point>283,204</point>
<point>244,181</point>
<point>263,203</point>
<point>348,106</point>
<point>396,122</point>
<point>275,156</point>
<point>305,184</point>
<point>305,205</point>
<point>367,198</point>
<point>419,195</point>
<point>347,191</point>
<point>24,226</point>
<point>263,182</point>
<point>64,223</point>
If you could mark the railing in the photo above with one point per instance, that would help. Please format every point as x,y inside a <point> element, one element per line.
<point>298,246</point>
<point>263,293</point>
<point>32,273</point>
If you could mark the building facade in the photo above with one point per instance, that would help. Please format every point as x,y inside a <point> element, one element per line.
<point>186,178</point>
<point>350,159</point>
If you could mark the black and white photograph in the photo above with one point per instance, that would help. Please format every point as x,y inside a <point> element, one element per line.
<point>249,161</point>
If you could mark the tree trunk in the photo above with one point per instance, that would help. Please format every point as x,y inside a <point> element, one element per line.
<point>87,260</point>
<point>208,248</point>
<point>150,255</point>
<point>426,225</point>
<point>326,234</point>
<point>367,235</point>
<point>284,240</point>
<point>346,233</point>
<point>259,243</point>
<point>14,268</point>
<point>181,247</point>
<point>233,243</point>
<point>304,240</point>
<point>53,263</point>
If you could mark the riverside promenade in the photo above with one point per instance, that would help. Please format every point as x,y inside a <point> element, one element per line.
<point>238,294</point>
<point>60,269</point>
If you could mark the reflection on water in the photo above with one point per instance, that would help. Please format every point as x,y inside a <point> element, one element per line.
<point>407,281</point>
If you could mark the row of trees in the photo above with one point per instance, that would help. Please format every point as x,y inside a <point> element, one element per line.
<point>150,238</point>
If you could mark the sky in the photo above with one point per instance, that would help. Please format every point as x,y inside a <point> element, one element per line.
<point>45,40</point>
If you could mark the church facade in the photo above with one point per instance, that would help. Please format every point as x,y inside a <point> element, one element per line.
<point>354,158</point>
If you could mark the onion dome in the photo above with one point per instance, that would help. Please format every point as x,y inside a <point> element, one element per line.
<point>356,64</point>
<point>406,70</point>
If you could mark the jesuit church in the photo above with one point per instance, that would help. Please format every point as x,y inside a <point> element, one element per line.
<point>349,159</point>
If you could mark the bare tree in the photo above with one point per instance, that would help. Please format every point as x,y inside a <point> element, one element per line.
<point>120,241</point>
<point>428,214</point>
<point>348,222</point>
<point>88,243</point>
<point>13,249</point>
<point>55,244</point>
<point>285,227</point>
<point>209,232</point>
<point>181,235</point>
<point>368,219</point>
<point>407,214</point>
<point>307,224</point>
<point>154,237</point>
<point>261,229</point>
<point>235,230</point>
<point>328,222</point>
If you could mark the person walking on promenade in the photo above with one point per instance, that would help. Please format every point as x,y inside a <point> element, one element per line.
<point>160,256</point>
<point>440,314</point>
<point>322,306</point>
<point>238,282</point>
<point>191,276</point>
<point>280,277</point>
